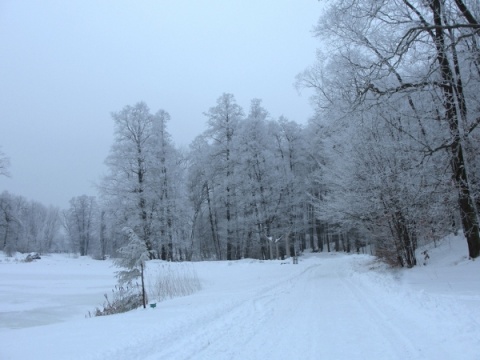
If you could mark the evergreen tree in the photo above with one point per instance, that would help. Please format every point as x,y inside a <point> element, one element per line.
<point>133,257</point>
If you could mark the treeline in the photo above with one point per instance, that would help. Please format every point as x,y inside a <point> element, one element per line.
<point>242,190</point>
<point>245,188</point>
<point>249,187</point>
<point>29,226</point>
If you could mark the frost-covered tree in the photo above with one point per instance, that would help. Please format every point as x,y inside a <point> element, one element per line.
<point>247,184</point>
<point>132,258</point>
<point>169,180</point>
<point>290,149</point>
<point>223,120</point>
<point>51,238</point>
<point>27,226</point>
<point>145,186</point>
<point>81,223</point>
<point>127,188</point>
<point>10,222</point>
<point>316,162</point>
<point>258,185</point>
<point>200,186</point>
<point>34,217</point>
<point>375,184</point>
<point>414,65</point>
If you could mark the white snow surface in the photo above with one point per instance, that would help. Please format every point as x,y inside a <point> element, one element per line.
<point>329,306</point>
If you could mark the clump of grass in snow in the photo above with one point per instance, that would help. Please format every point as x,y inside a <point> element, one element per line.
<point>171,280</point>
<point>122,299</point>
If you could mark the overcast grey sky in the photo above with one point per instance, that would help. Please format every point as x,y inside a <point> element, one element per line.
<point>66,65</point>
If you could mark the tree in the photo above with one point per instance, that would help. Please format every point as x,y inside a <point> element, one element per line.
<point>200,187</point>
<point>27,226</point>
<point>81,221</point>
<point>163,185</point>
<point>133,258</point>
<point>144,189</point>
<point>247,183</point>
<point>33,218</point>
<point>127,188</point>
<point>258,186</point>
<point>127,184</point>
<point>291,153</point>
<point>103,235</point>
<point>51,229</point>
<point>169,185</point>
<point>10,223</point>
<point>223,122</point>
<point>316,163</point>
<point>407,62</point>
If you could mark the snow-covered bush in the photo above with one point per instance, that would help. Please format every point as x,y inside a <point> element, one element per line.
<point>122,299</point>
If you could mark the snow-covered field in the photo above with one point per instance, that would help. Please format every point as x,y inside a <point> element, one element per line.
<point>329,306</point>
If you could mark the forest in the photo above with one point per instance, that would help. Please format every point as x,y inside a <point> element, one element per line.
<point>390,160</point>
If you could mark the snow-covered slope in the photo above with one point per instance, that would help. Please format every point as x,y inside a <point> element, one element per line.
<point>329,306</point>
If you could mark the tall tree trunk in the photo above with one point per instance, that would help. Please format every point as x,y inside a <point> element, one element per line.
<point>144,295</point>
<point>327,238</point>
<point>216,241</point>
<point>248,244</point>
<point>103,237</point>
<point>468,212</point>
<point>406,245</point>
<point>7,230</point>
<point>318,227</point>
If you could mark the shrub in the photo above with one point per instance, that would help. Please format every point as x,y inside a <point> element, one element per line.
<point>123,299</point>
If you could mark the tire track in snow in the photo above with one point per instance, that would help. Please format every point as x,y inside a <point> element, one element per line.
<point>320,317</point>
<point>326,314</point>
<point>391,333</point>
<point>405,318</point>
<point>238,325</point>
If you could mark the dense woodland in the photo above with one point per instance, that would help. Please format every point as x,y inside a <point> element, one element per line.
<point>389,161</point>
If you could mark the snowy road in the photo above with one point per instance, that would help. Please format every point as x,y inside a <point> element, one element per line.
<point>324,312</point>
<point>327,307</point>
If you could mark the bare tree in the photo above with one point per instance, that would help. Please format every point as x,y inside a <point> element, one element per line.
<point>10,223</point>
<point>27,225</point>
<point>80,221</point>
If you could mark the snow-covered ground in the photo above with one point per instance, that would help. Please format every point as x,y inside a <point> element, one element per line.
<point>329,306</point>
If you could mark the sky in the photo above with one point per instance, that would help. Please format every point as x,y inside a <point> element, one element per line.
<point>65,66</point>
